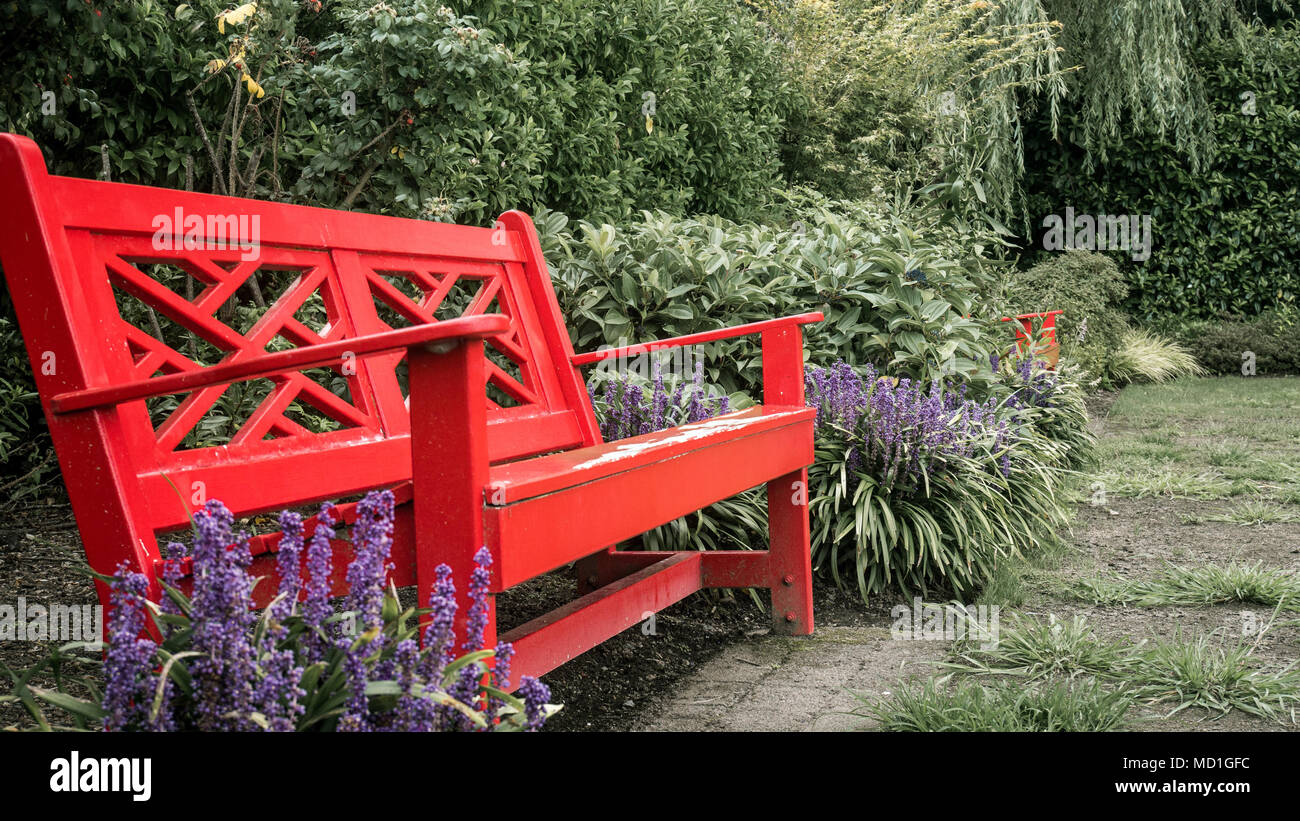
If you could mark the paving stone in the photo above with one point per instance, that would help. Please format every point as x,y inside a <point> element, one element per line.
<point>738,666</point>
<point>777,683</point>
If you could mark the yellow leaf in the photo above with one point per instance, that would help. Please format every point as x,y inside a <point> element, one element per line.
<point>235,16</point>
<point>253,88</point>
<point>216,65</point>
<point>649,125</point>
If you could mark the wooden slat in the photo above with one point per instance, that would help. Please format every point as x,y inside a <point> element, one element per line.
<point>531,537</point>
<point>524,480</point>
<point>274,474</point>
<point>80,204</point>
<point>700,338</point>
<point>543,644</point>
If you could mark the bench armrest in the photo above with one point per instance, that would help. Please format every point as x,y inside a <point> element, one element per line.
<point>434,336</point>
<point>695,339</point>
<point>782,353</point>
<point>1045,314</point>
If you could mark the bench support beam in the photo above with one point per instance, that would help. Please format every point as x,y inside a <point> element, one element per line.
<point>561,635</point>
<point>449,468</point>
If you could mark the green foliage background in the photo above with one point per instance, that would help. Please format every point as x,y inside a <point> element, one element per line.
<point>723,162</point>
<point>1226,236</point>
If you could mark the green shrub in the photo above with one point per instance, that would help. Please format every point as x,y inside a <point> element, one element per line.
<point>705,72</point>
<point>916,489</point>
<point>27,460</point>
<point>1051,403</point>
<point>1226,237</point>
<point>451,111</point>
<point>905,293</point>
<point>1220,344</point>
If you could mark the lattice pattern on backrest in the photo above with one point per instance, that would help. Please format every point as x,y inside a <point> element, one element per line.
<point>405,293</point>
<point>184,310</point>
<point>139,300</point>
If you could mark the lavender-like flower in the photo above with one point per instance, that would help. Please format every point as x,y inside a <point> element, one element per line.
<point>900,433</point>
<point>628,408</point>
<point>465,689</point>
<point>415,711</point>
<point>356,711</point>
<point>222,622</point>
<point>535,695</point>
<point>372,538</point>
<point>440,633</point>
<point>129,682</point>
<point>288,563</point>
<point>500,677</point>
<point>316,606</point>
<point>240,683</point>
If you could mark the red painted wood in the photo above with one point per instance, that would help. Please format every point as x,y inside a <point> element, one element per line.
<point>696,339</point>
<point>718,568</point>
<point>1047,331</point>
<point>540,534</point>
<point>280,363</point>
<point>736,568</point>
<point>553,639</point>
<point>789,559</point>
<point>449,438</point>
<point>534,477</point>
<point>1026,329</point>
<point>461,377</point>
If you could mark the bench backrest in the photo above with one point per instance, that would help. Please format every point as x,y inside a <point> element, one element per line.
<point>116,283</point>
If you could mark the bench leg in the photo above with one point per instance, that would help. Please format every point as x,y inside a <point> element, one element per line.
<point>449,468</point>
<point>589,572</point>
<point>789,555</point>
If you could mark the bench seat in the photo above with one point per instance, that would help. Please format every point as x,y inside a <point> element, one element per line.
<point>534,504</point>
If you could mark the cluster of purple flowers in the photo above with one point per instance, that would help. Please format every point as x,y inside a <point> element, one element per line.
<point>129,678</point>
<point>225,670</point>
<point>624,409</point>
<point>897,429</point>
<point>243,682</point>
<point>1033,384</point>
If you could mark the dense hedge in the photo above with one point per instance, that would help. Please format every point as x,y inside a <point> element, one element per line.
<point>1089,288</point>
<point>647,104</point>
<point>453,112</point>
<point>1220,344</point>
<point>1226,237</point>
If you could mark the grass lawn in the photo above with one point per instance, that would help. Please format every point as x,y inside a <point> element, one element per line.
<point>1174,603</point>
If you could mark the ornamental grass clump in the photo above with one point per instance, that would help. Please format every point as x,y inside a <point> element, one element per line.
<point>1048,402</point>
<point>921,488</point>
<point>297,664</point>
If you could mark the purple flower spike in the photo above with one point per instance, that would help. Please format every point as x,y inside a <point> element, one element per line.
<point>372,538</point>
<point>535,695</point>
<point>129,682</point>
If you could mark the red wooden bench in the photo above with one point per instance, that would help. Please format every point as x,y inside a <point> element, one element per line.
<point>409,315</point>
<point>1049,349</point>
